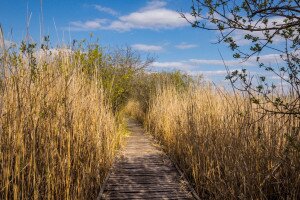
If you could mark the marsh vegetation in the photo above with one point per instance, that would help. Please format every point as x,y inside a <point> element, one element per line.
<point>62,113</point>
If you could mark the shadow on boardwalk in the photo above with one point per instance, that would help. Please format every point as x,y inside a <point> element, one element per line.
<point>142,171</point>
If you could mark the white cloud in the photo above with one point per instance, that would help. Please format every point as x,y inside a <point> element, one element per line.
<point>106,10</point>
<point>51,53</point>
<point>238,35</point>
<point>267,59</point>
<point>185,46</point>
<point>209,73</point>
<point>176,65</point>
<point>206,67</point>
<point>151,5</point>
<point>147,48</point>
<point>8,43</point>
<point>217,62</point>
<point>160,18</point>
<point>252,61</point>
<point>195,64</point>
<point>154,16</point>
<point>87,25</point>
<point>278,77</point>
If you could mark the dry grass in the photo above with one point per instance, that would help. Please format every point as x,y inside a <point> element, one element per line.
<point>57,135</point>
<point>133,109</point>
<point>224,146</point>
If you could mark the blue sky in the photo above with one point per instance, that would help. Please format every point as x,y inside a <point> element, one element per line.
<point>149,26</point>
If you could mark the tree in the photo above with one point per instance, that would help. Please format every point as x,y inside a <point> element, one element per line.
<point>115,68</point>
<point>122,67</point>
<point>261,23</point>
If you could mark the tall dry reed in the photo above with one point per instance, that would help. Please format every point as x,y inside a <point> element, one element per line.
<point>228,148</point>
<point>57,135</point>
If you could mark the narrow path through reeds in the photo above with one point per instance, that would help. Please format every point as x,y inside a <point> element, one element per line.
<point>143,171</point>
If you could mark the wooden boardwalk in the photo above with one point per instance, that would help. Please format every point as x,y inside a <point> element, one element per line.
<point>142,171</point>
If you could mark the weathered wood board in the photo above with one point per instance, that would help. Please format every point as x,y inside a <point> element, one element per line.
<point>143,171</point>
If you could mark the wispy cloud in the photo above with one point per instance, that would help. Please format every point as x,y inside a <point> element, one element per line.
<point>185,46</point>
<point>154,4</point>
<point>239,35</point>
<point>196,64</point>
<point>106,10</point>
<point>154,16</point>
<point>147,48</point>
<point>176,65</point>
<point>8,43</point>
<point>209,73</point>
<point>87,25</point>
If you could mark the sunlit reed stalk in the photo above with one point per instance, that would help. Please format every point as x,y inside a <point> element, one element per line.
<point>58,135</point>
<point>226,146</point>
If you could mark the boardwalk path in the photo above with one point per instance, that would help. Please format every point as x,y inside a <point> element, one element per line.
<point>144,172</point>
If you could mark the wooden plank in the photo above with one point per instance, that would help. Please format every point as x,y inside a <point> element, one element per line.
<point>144,172</point>
<point>129,195</point>
<point>142,185</point>
<point>145,198</point>
<point>149,185</point>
